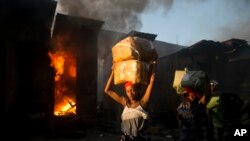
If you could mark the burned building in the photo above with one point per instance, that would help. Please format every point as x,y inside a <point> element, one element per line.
<point>78,36</point>
<point>25,71</point>
<point>36,95</point>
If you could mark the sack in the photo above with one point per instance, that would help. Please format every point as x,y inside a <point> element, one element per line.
<point>196,80</point>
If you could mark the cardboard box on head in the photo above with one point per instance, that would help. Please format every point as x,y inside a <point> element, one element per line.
<point>131,71</point>
<point>134,48</point>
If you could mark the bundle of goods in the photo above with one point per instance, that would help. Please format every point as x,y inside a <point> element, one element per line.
<point>177,81</point>
<point>132,57</point>
<point>195,80</point>
<point>132,71</point>
<point>134,48</point>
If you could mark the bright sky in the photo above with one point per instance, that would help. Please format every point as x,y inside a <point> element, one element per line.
<point>182,22</point>
<point>188,22</point>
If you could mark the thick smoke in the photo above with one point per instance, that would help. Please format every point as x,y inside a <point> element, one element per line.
<point>200,19</point>
<point>118,15</point>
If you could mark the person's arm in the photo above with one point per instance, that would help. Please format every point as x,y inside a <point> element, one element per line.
<point>119,99</point>
<point>203,100</point>
<point>178,120</point>
<point>212,103</point>
<point>145,99</point>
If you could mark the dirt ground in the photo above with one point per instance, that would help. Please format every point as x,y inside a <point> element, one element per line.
<point>96,136</point>
<point>91,135</point>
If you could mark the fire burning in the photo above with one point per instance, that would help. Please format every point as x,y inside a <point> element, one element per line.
<point>67,106</point>
<point>65,77</point>
<point>57,61</point>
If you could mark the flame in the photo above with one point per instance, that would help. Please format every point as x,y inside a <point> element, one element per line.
<point>57,61</point>
<point>65,107</point>
<point>65,67</point>
<point>72,71</point>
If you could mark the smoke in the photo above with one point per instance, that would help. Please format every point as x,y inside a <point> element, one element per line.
<point>239,24</point>
<point>189,21</point>
<point>118,15</point>
<point>165,5</point>
<point>214,20</point>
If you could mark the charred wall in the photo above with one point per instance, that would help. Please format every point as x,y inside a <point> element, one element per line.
<point>82,39</point>
<point>24,63</point>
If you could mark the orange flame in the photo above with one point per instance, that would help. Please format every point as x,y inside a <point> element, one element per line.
<point>65,67</point>
<point>65,107</point>
<point>72,71</point>
<point>57,61</point>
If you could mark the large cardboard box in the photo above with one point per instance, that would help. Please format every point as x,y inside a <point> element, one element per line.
<point>134,48</point>
<point>131,70</point>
